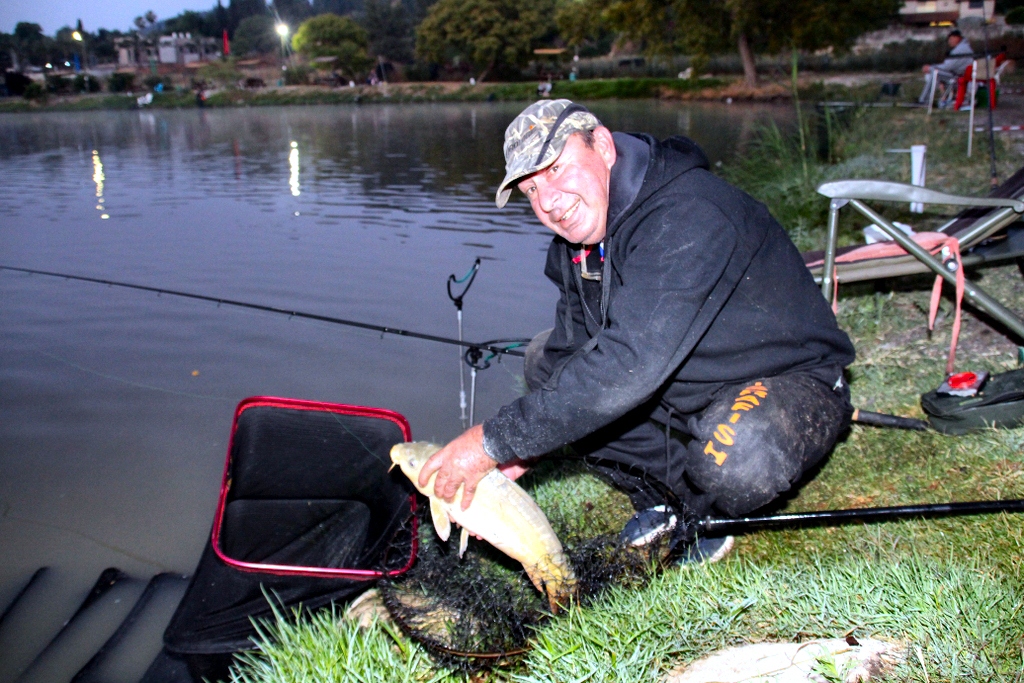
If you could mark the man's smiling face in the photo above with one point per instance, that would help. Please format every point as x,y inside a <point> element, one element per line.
<point>570,197</point>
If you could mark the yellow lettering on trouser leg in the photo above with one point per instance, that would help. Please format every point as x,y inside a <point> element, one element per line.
<point>723,434</point>
<point>741,406</point>
<point>719,455</point>
<point>757,389</point>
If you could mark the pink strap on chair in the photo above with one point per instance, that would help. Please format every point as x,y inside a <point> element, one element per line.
<point>934,242</point>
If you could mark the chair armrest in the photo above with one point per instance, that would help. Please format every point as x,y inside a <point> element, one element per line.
<point>885,191</point>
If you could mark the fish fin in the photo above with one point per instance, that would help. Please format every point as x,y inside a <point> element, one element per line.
<point>442,525</point>
<point>463,542</point>
<point>535,577</point>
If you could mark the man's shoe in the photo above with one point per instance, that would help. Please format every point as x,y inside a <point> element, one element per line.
<point>648,525</point>
<point>706,550</point>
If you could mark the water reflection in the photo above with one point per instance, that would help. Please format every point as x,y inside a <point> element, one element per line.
<point>98,178</point>
<point>111,443</point>
<point>293,168</point>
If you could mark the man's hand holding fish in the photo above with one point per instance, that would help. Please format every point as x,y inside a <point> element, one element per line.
<point>465,462</point>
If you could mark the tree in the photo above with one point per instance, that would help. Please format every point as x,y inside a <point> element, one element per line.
<point>243,9</point>
<point>293,12</point>
<point>581,23</point>
<point>339,7</point>
<point>145,22</point>
<point>390,29</point>
<point>329,35</point>
<point>256,34</point>
<point>703,27</point>
<point>491,35</point>
<point>8,54</point>
<point>30,44</point>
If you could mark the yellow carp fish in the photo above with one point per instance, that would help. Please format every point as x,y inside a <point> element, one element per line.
<point>502,514</point>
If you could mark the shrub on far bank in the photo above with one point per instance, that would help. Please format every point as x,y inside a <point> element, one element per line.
<point>151,82</point>
<point>35,91</point>
<point>86,83</point>
<point>16,82</point>
<point>223,73</point>
<point>121,82</point>
<point>59,85</point>
<point>297,75</point>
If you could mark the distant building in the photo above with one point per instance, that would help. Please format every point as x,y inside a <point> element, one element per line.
<point>176,48</point>
<point>182,48</point>
<point>133,51</point>
<point>945,12</point>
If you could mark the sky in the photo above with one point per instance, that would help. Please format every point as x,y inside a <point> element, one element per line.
<point>109,14</point>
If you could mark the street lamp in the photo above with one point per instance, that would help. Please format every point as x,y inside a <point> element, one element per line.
<point>282,30</point>
<point>77,36</point>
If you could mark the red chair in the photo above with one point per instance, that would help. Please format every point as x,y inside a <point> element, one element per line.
<point>964,81</point>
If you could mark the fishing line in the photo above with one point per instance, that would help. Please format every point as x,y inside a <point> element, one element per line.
<point>274,309</point>
<point>356,437</point>
<point>138,385</point>
<point>6,514</point>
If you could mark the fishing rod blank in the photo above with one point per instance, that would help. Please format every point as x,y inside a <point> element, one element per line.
<point>863,515</point>
<point>495,349</point>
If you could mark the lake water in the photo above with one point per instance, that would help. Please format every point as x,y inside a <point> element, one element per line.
<point>116,405</point>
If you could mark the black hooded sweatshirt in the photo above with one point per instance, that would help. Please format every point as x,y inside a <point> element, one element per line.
<point>701,288</point>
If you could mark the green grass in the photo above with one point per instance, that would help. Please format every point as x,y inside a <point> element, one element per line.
<point>776,171</point>
<point>952,589</point>
<point>624,88</point>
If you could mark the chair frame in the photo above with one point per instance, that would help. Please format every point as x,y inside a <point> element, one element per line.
<point>855,192</point>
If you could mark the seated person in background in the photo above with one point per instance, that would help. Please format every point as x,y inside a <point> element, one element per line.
<point>693,358</point>
<point>959,57</point>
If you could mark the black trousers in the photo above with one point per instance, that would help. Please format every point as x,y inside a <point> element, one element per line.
<point>751,444</point>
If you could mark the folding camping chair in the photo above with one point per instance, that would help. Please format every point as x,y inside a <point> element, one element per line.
<point>966,240</point>
<point>987,72</point>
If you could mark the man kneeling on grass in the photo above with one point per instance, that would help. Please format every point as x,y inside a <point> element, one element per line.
<point>693,359</point>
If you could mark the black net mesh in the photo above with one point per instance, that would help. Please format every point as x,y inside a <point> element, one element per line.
<point>309,488</point>
<point>481,610</point>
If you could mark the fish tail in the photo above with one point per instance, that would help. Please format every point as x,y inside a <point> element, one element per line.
<point>557,581</point>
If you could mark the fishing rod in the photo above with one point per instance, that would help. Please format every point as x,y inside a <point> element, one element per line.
<point>861,515</point>
<point>473,355</point>
<point>494,348</point>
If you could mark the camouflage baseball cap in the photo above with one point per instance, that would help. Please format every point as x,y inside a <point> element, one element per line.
<point>536,137</point>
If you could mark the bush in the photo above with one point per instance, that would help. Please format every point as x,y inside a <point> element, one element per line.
<point>86,83</point>
<point>1015,16</point>
<point>35,91</point>
<point>58,85</point>
<point>220,73</point>
<point>297,75</point>
<point>121,82</point>
<point>16,82</point>
<point>152,82</point>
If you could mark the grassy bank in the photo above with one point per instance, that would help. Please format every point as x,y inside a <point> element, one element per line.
<point>951,591</point>
<point>622,88</point>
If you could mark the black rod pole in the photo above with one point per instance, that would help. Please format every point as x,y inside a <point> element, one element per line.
<point>274,309</point>
<point>990,93</point>
<point>894,421</point>
<point>863,515</point>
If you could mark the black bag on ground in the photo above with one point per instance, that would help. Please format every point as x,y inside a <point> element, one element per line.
<point>999,403</point>
<point>308,515</point>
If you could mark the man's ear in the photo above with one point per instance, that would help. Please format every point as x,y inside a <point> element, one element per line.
<point>605,145</point>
